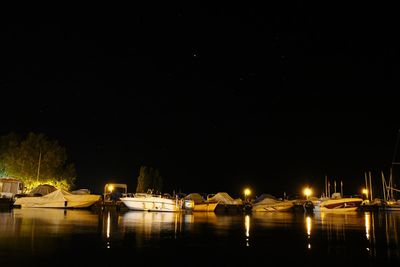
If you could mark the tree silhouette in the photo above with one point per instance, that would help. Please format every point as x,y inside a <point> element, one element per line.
<point>149,178</point>
<point>35,159</point>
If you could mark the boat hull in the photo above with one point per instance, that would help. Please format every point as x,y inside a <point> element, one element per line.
<point>340,205</point>
<point>40,202</point>
<point>273,208</point>
<point>271,205</point>
<point>152,203</point>
<point>207,207</point>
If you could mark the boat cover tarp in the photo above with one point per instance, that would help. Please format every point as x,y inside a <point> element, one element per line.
<point>224,198</point>
<point>58,197</point>
<point>265,196</point>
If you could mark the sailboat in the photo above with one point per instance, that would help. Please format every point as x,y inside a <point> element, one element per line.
<point>390,203</point>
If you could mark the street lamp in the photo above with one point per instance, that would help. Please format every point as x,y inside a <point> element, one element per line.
<point>110,188</point>
<point>247,193</point>
<point>307,192</point>
<point>365,192</point>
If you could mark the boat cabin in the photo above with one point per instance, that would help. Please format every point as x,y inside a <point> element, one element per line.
<point>10,187</point>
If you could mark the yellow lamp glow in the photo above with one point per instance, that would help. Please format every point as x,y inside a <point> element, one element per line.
<point>365,192</point>
<point>247,192</point>
<point>307,192</point>
<point>110,188</point>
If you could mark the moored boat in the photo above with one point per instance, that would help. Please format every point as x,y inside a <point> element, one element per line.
<point>339,204</point>
<point>225,203</point>
<point>57,199</point>
<point>270,203</point>
<point>200,204</point>
<point>154,202</point>
<point>391,205</point>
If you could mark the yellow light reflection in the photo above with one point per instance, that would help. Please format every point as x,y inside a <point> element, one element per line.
<point>108,224</point>
<point>308,223</point>
<point>367,225</point>
<point>247,225</point>
<point>308,227</point>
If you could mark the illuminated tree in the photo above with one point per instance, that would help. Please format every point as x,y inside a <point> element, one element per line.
<point>36,160</point>
<point>149,178</point>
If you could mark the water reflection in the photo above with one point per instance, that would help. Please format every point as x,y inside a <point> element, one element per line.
<point>367,225</point>
<point>391,233</point>
<point>335,225</point>
<point>57,221</point>
<point>274,219</point>
<point>33,231</point>
<point>153,223</point>
<point>308,228</point>
<point>247,227</point>
<point>45,232</point>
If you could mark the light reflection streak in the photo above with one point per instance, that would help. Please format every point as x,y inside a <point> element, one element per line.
<point>308,228</point>
<point>367,225</point>
<point>108,224</point>
<point>108,229</point>
<point>247,227</point>
<point>308,221</point>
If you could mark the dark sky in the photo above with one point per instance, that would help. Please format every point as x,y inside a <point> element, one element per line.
<point>215,98</point>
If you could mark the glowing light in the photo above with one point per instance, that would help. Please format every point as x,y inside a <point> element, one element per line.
<point>365,191</point>
<point>307,192</point>
<point>247,192</point>
<point>110,188</point>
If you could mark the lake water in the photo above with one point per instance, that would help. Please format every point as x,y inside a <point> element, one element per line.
<point>48,237</point>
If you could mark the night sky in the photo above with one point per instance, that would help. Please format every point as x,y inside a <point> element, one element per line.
<point>215,98</point>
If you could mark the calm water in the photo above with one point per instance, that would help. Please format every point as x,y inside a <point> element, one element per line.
<point>45,237</point>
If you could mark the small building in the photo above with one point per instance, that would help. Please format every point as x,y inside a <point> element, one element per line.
<point>10,188</point>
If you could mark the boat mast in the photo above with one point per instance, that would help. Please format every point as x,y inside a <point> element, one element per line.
<point>329,189</point>
<point>38,169</point>
<point>334,185</point>
<point>390,189</point>
<point>341,188</point>
<point>370,185</point>
<point>383,186</point>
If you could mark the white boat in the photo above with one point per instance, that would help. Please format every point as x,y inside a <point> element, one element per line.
<point>152,202</point>
<point>58,199</point>
<point>269,203</point>
<point>339,204</point>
